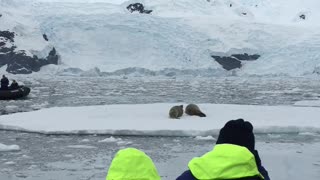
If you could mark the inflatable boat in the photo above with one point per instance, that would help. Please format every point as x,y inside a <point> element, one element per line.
<point>8,94</point>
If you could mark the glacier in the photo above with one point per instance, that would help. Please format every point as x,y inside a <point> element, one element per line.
<point>180,35</point>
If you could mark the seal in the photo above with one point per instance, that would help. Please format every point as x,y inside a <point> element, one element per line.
<point>176,112</point>
<point>194,110</point>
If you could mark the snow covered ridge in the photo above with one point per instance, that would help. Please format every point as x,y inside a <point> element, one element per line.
<point>23,48</point>
<point>181,34</point>
<point>153,120</point>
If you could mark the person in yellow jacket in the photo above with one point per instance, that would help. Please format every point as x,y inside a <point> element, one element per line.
<point>234,157</point>
<point>132,164</point>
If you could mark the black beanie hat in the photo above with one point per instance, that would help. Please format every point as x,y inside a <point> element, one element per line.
<point>238,132</point>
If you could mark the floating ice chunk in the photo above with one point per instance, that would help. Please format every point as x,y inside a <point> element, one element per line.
<point>85,140</point>
<point>81,147</point>
<point>68,155</point>
<point>9,163</point>
<point>12,108</point>
<point>274,135</point>
<point>207,138</point>
<point>124,143</point>
<point>110,139</point>
<point>39,106</point>
<point>26,156</point>
<point>308,134</point>
<point>32,167</point>
<point>5,148</point>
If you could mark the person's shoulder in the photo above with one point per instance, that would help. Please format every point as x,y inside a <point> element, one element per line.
<point>187,175</point>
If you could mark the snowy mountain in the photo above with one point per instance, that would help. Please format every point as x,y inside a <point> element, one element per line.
<point>177,36</point>
<point>23,48</point>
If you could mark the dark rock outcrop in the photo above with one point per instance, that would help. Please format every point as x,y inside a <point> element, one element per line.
<point>7,35</point>
<point>45,37</point>
<point>246,57</point>
<point>228,63</point>
<point>18,62</point>
<point>139,8</point>
<point>234,61</point>
<point>302,16</point>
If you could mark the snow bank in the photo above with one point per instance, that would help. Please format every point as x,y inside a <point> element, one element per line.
<point>152,119</point>
<point>5,148</point>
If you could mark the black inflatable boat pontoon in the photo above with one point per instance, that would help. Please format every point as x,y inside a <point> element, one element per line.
<point>8,94</point>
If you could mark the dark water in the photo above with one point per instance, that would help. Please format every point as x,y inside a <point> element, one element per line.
<point>86,157</point>
<point>45,157</point>
<point>83,91</point>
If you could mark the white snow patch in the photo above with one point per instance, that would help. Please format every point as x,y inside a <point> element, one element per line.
<point>17,17</point>
<point>3,69</point>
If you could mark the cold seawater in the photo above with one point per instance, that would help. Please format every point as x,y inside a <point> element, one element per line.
<point>85,91</point>
<point>71,157</point>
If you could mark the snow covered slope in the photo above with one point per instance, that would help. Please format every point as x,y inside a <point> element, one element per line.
<point>182,34</point>
<point>15,17</point>
<point>23,48</point>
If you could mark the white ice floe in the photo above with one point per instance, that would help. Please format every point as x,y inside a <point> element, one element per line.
<point>153,119</point>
